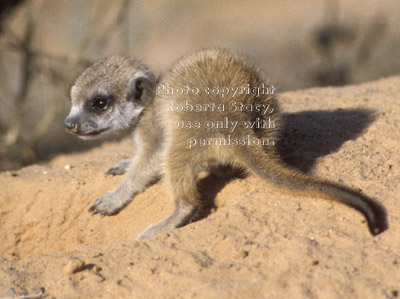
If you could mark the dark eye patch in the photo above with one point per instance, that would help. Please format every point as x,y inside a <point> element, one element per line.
<point>100,103</point>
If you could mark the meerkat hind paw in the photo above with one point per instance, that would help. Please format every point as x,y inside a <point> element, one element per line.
<point>180,217</point>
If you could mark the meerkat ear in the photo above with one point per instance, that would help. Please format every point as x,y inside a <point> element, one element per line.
<point>140,89</point>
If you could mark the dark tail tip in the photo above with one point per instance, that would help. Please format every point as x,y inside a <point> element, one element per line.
<point>379,224</point>
<point>373,211</point>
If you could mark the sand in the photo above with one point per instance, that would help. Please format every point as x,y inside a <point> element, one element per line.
<point>257,242</point>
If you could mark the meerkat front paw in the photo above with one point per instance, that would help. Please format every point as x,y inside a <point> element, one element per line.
<point>120,168</point>
<point>110,203</point>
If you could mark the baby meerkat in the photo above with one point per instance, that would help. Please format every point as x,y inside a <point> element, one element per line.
<point>211,108</point>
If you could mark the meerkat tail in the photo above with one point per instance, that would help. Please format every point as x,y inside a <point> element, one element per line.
<point>279,174</point>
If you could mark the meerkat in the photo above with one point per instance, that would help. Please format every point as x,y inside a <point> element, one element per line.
<point>183,125</point>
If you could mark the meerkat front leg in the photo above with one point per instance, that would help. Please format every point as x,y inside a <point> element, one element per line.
<point>181,178</point>
<point>120,168</point>
<point>144,169</point>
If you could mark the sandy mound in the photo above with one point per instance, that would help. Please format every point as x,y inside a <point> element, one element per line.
<point>257,243</point>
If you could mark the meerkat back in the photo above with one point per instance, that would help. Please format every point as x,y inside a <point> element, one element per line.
<point>213,100</point>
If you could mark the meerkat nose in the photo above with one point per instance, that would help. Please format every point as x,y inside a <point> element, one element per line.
<point>71,126</point>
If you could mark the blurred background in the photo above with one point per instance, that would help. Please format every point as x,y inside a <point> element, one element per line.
<point>45,44</point>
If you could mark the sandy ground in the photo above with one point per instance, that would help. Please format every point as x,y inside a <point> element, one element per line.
<point>257,242</point>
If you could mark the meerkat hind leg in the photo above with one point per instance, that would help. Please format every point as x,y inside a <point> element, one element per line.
<point>181,183</point>
<point>181,216</point>
<point>120,168</point>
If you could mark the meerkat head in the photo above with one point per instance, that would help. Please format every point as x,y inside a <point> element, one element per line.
<point>109,97</point>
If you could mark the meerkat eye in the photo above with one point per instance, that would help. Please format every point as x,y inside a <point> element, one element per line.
<point>100,104</point>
